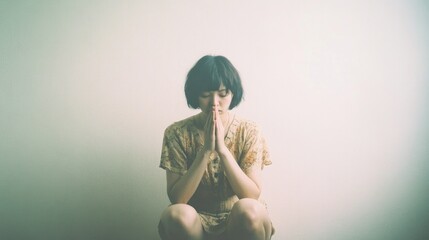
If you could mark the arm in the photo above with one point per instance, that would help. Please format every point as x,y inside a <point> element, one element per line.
<point>244,185</point>
<point>180,189</point>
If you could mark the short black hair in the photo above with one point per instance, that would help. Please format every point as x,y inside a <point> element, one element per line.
<point>207,75</point>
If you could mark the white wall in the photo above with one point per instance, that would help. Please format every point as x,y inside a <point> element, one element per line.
<point>88,87</point>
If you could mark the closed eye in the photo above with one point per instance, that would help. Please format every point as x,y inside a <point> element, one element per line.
<point>205,95</point>
<point>224,92</point>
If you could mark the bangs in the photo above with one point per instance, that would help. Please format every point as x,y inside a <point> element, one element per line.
<point>212,76</point>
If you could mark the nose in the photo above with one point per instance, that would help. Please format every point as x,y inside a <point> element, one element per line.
<point>214,100</point>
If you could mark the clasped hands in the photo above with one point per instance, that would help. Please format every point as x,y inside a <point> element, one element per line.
<point>214,132</point>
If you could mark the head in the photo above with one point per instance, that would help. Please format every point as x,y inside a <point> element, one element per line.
<point>213,80</point>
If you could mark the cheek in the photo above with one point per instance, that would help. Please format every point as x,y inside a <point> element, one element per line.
<point>203,103</point>
<point>227,101</point>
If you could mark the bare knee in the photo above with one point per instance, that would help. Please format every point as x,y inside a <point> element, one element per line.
<point>180,221</point>
<point>248,212</point>
<point>181,215</point>
<point>249,219</point>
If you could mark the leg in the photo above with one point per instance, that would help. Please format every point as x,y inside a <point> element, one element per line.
<point>249,220</point>
<point>180,221</point>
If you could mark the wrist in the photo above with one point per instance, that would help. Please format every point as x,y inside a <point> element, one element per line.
<point>206,152</point>
<point>223,151</point>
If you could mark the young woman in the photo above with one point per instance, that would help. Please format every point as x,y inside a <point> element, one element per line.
<point>213,161</point>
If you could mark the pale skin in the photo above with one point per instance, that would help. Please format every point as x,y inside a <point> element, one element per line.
<point>248,217</point>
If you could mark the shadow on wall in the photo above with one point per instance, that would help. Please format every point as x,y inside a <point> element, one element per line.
<point>90,196</point>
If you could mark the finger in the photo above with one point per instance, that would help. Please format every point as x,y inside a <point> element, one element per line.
<point>214,131</point>
<point>209,122</point>
<point>214,114</point>
<point>218,117</point>
<point>217,128</point>
<point>208,119</point>
<point>214,121</point>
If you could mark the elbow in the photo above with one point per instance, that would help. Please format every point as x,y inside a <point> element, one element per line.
<point>175,199</point>
<point>256,195</point>
<point>253,195</point>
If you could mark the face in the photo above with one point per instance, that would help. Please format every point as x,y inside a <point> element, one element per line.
<point>221,98</point>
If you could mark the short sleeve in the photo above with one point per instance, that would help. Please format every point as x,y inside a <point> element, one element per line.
<point>255,150</point>
<point>173,157</point>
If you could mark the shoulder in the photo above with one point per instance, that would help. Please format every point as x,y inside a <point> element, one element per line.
<point>180,127</point>
<point>245,127</point>
<point>245,124</point>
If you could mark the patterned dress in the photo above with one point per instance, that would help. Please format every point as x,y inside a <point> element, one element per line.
<point>214,197</point>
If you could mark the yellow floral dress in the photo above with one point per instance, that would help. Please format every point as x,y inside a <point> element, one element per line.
<point>214,197</point>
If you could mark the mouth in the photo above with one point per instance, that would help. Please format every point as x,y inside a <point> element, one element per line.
<point>218,110</point>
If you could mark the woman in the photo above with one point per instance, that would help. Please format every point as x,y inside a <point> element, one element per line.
<point>213,161</point>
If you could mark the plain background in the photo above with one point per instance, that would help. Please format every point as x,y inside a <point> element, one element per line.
<point>339,88</point>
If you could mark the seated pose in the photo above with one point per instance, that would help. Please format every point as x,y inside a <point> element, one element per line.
<point>213,162</point>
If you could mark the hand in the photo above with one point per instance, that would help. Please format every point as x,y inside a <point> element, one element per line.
<point>209,133</point>
<point>220,132</point>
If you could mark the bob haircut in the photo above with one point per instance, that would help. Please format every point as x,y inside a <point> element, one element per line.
<point>207,75</point>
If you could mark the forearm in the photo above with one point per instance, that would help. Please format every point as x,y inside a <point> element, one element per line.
<point>185,187</point>
<point>241,184</point>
